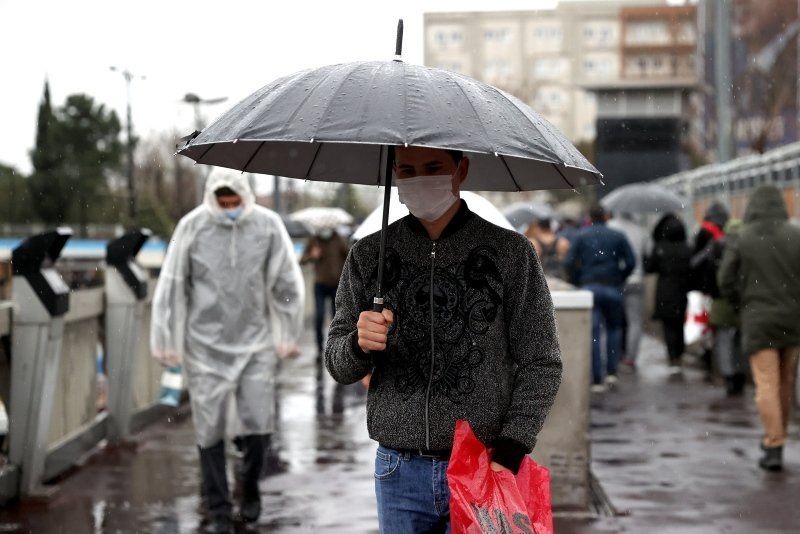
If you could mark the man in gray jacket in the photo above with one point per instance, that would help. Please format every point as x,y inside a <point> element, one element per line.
<point>468,333</point>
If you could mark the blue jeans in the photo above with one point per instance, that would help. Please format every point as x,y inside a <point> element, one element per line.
<point>412,492</point>
<point>322,292</point>
<point>608,312</point>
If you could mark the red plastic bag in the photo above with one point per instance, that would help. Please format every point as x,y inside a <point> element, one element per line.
<point>483,501</point>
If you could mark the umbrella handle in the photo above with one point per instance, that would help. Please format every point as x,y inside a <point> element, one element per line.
<point>377,304</point>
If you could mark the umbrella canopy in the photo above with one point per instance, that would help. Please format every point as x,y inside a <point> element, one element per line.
<point>643,198</point>
<point>296,229</point>
<point>340,123</point>
<point>523,214</point>
<point>321,218</point>
<point>477,204</point>
<point>334,124</point>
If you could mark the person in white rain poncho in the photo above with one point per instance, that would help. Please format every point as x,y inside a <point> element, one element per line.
<point>227,303</point>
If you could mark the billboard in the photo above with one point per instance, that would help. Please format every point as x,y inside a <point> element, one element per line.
<point>764,74</point>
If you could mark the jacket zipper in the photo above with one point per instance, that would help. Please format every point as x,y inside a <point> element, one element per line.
<point>433,347</point>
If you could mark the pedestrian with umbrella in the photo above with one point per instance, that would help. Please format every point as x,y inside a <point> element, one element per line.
<point>450,313</point>
<point>326,250</point>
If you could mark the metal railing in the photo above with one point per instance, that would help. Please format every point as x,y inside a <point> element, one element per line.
<point>732,182</point>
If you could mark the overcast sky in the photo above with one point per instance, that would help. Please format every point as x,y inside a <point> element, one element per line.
<point>212,48</point>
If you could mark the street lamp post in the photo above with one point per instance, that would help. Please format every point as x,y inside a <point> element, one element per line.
<point>129,76</point>
<point>195,101</point>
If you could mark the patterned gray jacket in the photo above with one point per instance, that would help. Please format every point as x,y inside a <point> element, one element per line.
<point>474,337</point>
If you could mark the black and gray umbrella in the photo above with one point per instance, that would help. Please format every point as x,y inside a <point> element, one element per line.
<point>643,198</point>
<point>523,214</point>
<point>340,123</point>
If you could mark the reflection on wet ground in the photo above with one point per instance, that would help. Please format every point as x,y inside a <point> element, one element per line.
<point>672,455</point>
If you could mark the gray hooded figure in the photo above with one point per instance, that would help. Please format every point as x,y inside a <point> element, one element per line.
<point>228,299</point>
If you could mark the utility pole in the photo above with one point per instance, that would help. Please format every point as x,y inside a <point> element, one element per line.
<point>129,76</point>
<point>722,79</point>
<point>276,194</point>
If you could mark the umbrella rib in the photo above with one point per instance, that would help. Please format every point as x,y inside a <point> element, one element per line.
<point>380,161</point>
<point>475,111</point>
<point>311,91</point>
<point>261,144</point>
<point>564,177</point>
<point>313,160</point>
<point>206,151</point>
<point>528,120</point>
<point>330,102</point>
<point>511,174</point>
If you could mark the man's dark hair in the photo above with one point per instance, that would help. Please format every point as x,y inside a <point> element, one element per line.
<point>224,191</point>
<point>457,155</point>
<point>597,214</point>
<point>544,224</point>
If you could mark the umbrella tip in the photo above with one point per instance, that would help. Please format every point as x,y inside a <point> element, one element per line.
<point>398,49</point>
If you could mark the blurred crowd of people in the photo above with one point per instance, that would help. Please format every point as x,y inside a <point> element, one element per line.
<point>736,283</point>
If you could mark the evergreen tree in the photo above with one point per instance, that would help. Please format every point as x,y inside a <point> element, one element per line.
<point>76,146</point>
<point>46,184</point>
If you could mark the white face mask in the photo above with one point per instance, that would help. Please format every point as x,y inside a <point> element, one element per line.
<point>427,197</point>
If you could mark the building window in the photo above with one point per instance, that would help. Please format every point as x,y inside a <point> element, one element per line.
<point>647,32</point>
<point>495,69</point>
<point>550,68</point>
<point>547,38</point>
<point>497,35</point>
<point>447,38</point>
<point>598,34</point>
<point>687,32</point>
<point>649,66</point>
<point>550,99</point>
<point>598,67</point>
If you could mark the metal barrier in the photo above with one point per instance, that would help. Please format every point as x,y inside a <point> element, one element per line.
<point>732,182</point>
<point>55,419</point>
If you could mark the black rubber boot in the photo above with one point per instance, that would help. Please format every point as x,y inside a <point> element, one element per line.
<point>772,459</point>
<point>735,385</point>
<point>273,465</point>
<point>253,448</point>
<point>215,487</point>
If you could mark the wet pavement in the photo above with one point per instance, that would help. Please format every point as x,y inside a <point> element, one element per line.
<point>671,454</point>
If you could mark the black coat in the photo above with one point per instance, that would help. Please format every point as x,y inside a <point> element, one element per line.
<point>670,260</point>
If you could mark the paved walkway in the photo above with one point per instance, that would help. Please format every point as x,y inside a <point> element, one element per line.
<point>671,454</point>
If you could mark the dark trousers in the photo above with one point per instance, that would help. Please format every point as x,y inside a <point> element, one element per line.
<point>608,312</point>
<point>322,292</point>
<point>673,337</point>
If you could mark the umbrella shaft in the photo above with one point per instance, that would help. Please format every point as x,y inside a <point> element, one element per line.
<point>387,195</point>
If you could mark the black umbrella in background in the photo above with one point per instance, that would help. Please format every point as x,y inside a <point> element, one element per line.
<point>340,123</point>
